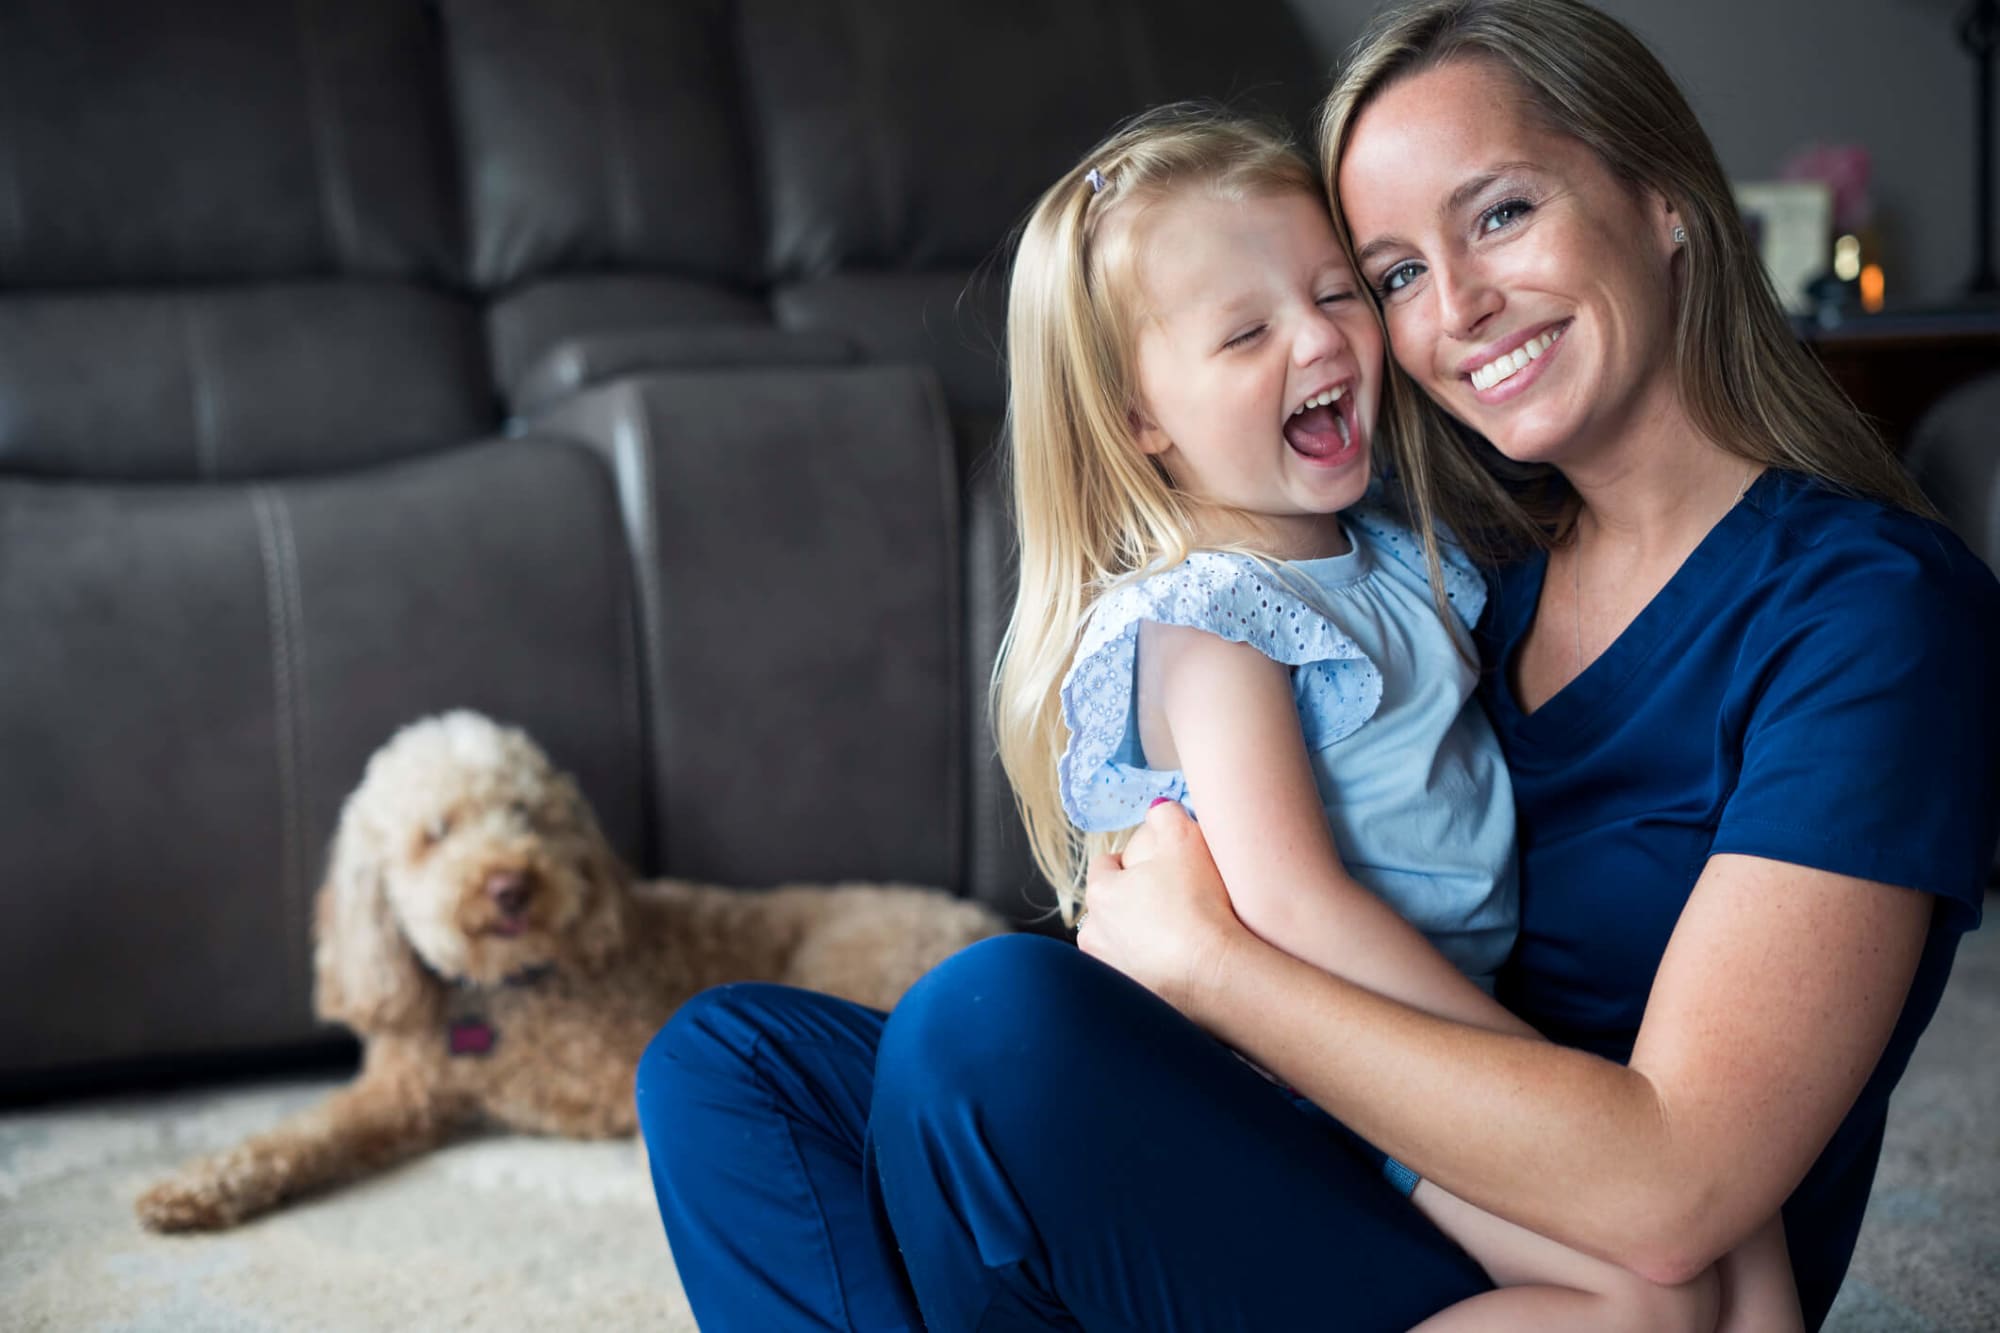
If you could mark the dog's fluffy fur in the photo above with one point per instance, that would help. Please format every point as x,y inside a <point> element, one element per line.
<point>468,878</point>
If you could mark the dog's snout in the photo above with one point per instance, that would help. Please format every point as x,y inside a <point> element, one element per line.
<point>509,890</point>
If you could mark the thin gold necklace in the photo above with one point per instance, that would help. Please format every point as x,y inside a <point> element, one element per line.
<point>1576,569</point>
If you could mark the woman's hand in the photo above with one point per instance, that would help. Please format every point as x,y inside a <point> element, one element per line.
<point>1159,913</point>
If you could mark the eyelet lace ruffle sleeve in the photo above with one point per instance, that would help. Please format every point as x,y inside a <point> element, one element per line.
<point>1235,598</point>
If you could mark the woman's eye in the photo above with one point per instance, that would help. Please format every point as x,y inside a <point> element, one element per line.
<point>1244,338</point>
<point>1399,277</point>
<point>1504,214</point>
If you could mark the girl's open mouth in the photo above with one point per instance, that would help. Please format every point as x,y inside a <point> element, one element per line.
<point>1325,432</point>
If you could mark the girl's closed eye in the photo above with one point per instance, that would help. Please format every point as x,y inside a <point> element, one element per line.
<point>1245,338</point>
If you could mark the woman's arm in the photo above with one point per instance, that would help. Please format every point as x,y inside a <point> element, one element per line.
<point>1248,773</point>
<point>1776,997</point>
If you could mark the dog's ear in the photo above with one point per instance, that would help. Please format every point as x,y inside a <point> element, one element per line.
<point>364,973</point>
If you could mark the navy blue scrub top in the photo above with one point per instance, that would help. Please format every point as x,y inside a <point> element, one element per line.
<point>1819,683</point>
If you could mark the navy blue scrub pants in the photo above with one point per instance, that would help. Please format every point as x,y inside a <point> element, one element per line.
<point>1031,1141</point>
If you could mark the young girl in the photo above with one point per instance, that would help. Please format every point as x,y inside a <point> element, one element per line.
<point>1208,613</point>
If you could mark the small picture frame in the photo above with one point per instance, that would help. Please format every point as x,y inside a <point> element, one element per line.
<point>1791,224</point>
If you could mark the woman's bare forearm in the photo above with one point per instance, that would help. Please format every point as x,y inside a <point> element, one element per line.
<point>1757,1037</point>
<point>1336,924</point>
<point>1557,1149</point>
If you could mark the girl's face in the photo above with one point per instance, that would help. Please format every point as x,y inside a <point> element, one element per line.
<point>1523,285</point>
<point>1259,361</point>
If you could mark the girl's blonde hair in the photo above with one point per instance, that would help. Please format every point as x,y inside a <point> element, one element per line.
<point>1745,379</point>
<point>1089,506</point>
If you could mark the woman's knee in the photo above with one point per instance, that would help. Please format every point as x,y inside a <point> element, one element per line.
<point>711,1039</point>
<point>994,1018</point>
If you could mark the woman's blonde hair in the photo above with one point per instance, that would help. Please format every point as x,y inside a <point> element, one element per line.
<point>1089,506</point>
<point>1744,378</point>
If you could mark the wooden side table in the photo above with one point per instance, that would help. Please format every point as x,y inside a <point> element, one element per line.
<point>1895,365</point>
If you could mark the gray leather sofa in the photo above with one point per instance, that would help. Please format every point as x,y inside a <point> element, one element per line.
<point>624,369</point>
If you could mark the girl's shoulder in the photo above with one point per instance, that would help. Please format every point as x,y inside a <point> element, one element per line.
<point>1235,596</point>
<point>1104,782</point>
<point>1397,546</point>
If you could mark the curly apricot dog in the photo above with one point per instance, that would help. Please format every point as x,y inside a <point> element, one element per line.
<point>479,935</point>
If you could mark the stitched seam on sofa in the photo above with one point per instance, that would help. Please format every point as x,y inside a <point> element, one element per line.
<point>295,902</point>
<point>270,545</point>
<point>200,367</point>
<point>635,442</point>
<point>615,157</point>
<point>336,200</point>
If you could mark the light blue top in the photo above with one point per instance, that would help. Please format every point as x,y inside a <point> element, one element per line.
<point>1407,767</point>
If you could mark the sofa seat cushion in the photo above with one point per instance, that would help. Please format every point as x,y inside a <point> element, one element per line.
<point>529,323</point>
<point>256,381</point>
<point>577,363</point>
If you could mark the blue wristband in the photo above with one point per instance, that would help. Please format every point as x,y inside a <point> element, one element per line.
<point>1400,1176</point>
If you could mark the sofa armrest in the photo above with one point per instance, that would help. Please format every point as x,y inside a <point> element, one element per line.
<point>794,537</point>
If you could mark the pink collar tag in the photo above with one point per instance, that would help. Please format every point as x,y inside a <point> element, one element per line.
<point>472,1036</point>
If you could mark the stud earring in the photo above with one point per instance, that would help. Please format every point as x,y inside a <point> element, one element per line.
<point>1680,234</point>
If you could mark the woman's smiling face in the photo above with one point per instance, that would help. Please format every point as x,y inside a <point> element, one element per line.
<point>1525,287</point>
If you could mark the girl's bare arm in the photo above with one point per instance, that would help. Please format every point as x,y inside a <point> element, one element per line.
<point>1224,714</point>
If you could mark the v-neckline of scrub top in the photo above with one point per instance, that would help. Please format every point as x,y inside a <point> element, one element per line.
<point>1573,714</point>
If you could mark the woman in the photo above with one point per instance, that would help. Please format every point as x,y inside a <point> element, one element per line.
<point>1740,685</point>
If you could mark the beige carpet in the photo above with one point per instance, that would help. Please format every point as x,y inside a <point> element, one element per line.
<point>501,1233</point>
<point>512,1233</point>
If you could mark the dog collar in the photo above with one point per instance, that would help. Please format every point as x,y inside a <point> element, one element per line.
<point>467,1033</point>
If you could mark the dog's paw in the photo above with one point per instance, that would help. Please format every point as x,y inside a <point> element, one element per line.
<point>181,1204</point>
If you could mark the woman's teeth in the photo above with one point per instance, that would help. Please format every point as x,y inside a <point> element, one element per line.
<point>1502,368</point>
<point>1321,400</point>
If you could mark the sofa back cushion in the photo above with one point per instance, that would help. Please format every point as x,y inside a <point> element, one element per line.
<point>916,133</point>
<point>220,139</point>
<point>602,135</point>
